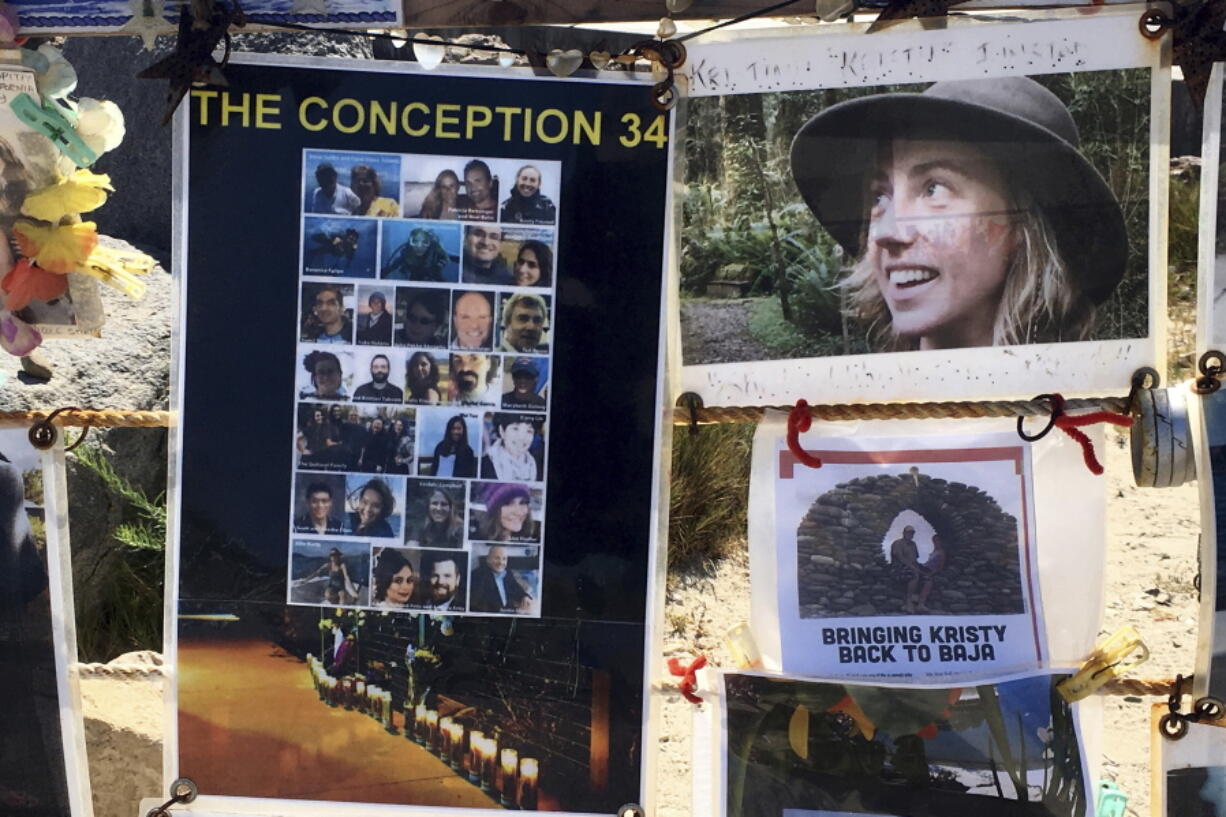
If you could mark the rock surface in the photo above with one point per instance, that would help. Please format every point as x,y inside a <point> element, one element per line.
<point>842,564</point>
<point>122,706</point>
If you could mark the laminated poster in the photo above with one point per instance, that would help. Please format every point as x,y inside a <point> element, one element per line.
<point>419,383</point>
<point>42,747</point>
<point>909,557</point>
<point>956,213</point>
<point>1188,775</point>
<point>1207,416</point>
<point>996,748</point>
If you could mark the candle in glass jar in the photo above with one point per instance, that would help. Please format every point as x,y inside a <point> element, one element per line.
<point>444,736</point>
<point>419,721</point>
<point>529,770</point>
<point>476,740</point>
<point>489,760</point>
<point>456,757</point>
<point>510,765</point>
<point>431,728</point>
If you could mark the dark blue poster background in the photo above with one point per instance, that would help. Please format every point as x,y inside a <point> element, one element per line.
<point>565,689</point>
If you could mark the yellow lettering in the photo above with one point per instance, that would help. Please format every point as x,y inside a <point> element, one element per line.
<point>479,116</point>
<point>441,119</point>
<point>204,96</point>
<point>386,118</point>
<point>358,122</point>
<point>264,109</point>
<point>228,108</point>
<point>311,101</point>
<point>527,124</point>
<point>508,115</point>
<point>551,113</point>
<point>587,128</point>
<point>404,119</point>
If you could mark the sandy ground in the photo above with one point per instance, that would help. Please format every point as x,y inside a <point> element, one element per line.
<point>1151,562</point>
<point>1152,541</point>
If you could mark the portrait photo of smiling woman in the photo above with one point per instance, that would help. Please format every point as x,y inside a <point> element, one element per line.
<point>1001,211</point>
<point>971,215</point>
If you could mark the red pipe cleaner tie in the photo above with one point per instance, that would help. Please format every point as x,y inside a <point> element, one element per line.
<point>689,682</point>
<point>1071,425</point>
<point>799,420</point>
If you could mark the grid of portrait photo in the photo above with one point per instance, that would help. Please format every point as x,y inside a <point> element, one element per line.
<point>422,394</point>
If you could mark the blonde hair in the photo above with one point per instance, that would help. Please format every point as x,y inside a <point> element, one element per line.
<point>1040,302</point>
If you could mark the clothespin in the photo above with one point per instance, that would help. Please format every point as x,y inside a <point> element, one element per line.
<point>741,645</point>
<point>1112,801</point>
<point>48,120</point>
<point>1111,659</point>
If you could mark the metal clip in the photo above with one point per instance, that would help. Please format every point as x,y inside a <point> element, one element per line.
<point>51,123</point>
<point>1122,651</point>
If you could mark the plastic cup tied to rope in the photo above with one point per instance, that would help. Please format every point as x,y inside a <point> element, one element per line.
<point>688,676</point>
<point>1072,425</point>
<point>799,421</point>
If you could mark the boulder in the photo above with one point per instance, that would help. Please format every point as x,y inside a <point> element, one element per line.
<point>123,711</point>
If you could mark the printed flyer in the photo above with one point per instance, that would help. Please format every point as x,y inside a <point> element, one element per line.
<point>42,756</point>
<point>414,546</point>
<point>907,557</point>
<point>1002,746</point>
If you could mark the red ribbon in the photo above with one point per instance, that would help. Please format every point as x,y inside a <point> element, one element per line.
<point>799,420</point>
<point>689,682</point>
<point>1071,426</point>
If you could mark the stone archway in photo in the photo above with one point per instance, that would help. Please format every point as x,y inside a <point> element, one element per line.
<point>842,571</point>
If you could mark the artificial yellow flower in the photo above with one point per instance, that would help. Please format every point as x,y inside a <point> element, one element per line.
<point>79,193</point>
<point>61,249</point>
<point>119,268</point>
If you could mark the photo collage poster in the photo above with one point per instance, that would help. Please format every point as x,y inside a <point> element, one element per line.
<point>42,768</point>
<point>908,557</point>
<point>813,260</point>
<point>1000,746</point>
<point>421,428</point>
<point>415,550</point>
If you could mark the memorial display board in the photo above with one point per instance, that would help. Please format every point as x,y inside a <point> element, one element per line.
<point>419,371</point>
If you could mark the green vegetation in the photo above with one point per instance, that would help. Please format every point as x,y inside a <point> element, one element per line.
<point>124,587</point>
<point>710,492</point>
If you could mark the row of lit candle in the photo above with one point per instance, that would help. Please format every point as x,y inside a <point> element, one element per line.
<point>515,779</point>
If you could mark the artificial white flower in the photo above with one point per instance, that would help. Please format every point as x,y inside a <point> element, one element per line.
<point>99,124</point>
<point>54,76</point>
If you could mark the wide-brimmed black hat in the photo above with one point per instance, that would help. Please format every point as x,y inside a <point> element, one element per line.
<point>1023,126</point>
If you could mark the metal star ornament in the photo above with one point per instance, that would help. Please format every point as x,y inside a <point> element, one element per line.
<point>1199,40</point>
<point>192,62</point>
<point>148,21</point>
<point>928,11</point>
